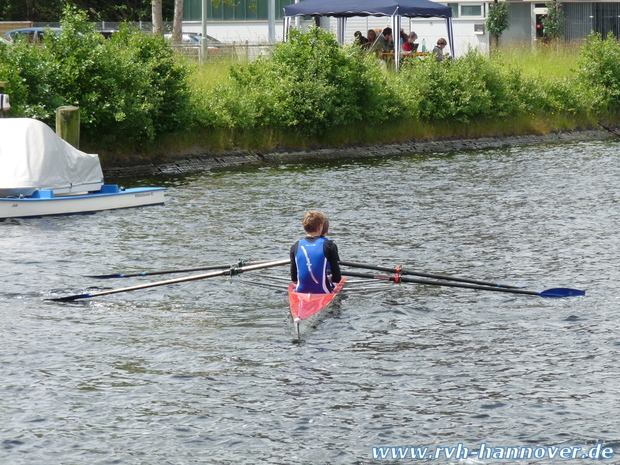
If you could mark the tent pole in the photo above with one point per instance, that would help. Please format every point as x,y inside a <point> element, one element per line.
<point>396,36</point>
<point>286,24</point>
<point>450,38</point>
<point>271,20</point>
<point>340,28</point>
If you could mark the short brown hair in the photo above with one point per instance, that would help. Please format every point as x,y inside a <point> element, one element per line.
<point>442,41</point>
<point>312,220</point>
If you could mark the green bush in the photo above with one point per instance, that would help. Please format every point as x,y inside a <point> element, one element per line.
<point>468,87</point>
<point>128,88</point>
<point>599,67</point>
<point>310,84</point>
<point>29,71</point>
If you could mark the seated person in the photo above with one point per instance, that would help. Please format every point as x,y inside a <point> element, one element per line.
<point>384,43</point>
<point>371,36</point>
<point>313,256</point>
<point>408,43</point>
<point>359,39</point>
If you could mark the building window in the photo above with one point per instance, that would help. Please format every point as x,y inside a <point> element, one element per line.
<point>467,10</point>
<point>471,10</point>
<point>244,10</point>
<point>455,9</point>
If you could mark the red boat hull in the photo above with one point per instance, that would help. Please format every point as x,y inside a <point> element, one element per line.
<point>304,305</point>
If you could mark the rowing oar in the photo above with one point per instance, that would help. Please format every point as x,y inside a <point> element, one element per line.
<point>557,292</point>
<point>240,263</point>
<point>427,275</point>
<point>231,271</point>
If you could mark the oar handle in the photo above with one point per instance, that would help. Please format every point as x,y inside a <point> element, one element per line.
<point>427,275</point>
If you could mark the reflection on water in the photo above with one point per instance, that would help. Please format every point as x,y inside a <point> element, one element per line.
<point>206,371</point>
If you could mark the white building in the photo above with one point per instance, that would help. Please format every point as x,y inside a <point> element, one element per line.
<point>242,24</point>
<point>247,22</point>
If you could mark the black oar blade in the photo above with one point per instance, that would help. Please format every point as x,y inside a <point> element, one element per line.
<point>562,292</point>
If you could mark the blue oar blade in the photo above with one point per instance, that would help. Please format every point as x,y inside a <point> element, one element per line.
<point>71,298</point>
<point>105,276</point>
<point>562,292</point>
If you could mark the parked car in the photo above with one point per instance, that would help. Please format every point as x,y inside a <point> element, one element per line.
<point>188,38</point>
<point>33,34</point>
<point>107,33</point>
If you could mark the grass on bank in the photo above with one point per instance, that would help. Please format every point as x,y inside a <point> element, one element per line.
<point>551,61</point>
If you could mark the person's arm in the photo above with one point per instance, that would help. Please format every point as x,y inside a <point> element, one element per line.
<point>331,252</point>
<point>293,253</point>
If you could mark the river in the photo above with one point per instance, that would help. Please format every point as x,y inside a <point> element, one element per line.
<point>208,372</point>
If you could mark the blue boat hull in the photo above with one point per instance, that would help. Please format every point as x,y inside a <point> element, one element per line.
<point>110,197</point>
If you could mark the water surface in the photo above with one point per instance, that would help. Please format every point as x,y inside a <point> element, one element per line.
<point>206,372</point>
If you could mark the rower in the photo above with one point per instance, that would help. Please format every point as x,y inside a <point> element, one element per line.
<point>313,256</point>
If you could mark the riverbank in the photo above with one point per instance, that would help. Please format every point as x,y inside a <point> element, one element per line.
<point>196,160</point>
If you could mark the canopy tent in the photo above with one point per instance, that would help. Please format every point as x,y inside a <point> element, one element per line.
<point>396,9</point>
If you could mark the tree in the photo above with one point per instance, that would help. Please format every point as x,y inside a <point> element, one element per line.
<point>158,22</point>
<point>98,10</point>
<point>553,21</point>
<point>177,26</point>
<point>497,22</point>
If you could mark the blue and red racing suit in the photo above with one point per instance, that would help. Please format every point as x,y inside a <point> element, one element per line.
<point>311,258</point>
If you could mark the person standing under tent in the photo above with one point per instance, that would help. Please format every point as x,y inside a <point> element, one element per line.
<point>438,50</point>
<point>312,256</point>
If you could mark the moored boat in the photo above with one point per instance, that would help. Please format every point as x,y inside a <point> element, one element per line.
<point>306,307</point>
<point>41,174</point>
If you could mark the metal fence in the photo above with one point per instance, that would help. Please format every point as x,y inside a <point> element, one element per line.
<point>242,51</point>
<point>228,52</point>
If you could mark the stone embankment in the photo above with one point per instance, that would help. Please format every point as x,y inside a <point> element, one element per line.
<point>197,161</point>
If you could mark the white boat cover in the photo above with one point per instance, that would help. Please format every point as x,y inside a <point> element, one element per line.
<point>33,157</point>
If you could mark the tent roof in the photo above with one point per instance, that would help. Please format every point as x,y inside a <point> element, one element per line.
<point>349,8</point>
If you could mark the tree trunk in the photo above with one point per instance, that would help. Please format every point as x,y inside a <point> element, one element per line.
<point>494,43</point>
<point>158,22</point>
<point>177,28</point>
